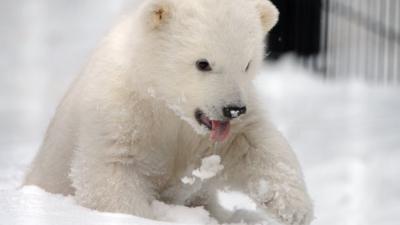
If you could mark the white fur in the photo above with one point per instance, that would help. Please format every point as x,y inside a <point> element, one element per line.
<point>125,134</point>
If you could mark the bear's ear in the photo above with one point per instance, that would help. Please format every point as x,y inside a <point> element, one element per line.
<point>158,13</point>
<point>269,14</point>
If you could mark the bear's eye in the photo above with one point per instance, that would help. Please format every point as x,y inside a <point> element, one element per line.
<point>248,66</point>
<point>203,65</point>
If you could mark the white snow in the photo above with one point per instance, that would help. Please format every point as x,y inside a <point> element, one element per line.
<point>188,180</point>
<point>234,113</point>
<point>181,214</point>
<point>210,166</point>
<point>233,201</point>
<point>346,134</point>
<point>32,206</point>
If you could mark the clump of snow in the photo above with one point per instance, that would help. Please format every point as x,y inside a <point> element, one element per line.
<point>234,113</point>
<point>188,180</point>
<point>182,214</point>
<point>233,201</point>
<point>210,167</point>
<point>240,208</point>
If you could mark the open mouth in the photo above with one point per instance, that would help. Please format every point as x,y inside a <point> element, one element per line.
<point>219,129</point>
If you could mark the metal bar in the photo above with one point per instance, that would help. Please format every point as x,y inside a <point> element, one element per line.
<point>347,47</point>
<point>391,11</point>
<point>362,41</point>
<point>332,44</point>
<point>396,56</point>
<point>378,39</point>
<point>384,48</point>
<point>370,42</point>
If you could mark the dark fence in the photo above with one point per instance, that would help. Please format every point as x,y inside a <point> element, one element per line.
<point>298,29</point>
<point>341,38</point>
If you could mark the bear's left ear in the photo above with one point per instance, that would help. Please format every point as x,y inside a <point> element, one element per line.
<point>269,14</point>
<point>158,13</point>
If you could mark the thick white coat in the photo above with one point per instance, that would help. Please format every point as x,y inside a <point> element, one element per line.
<point>125,133</point>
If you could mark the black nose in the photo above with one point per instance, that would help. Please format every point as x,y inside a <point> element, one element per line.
<point>232,111</point>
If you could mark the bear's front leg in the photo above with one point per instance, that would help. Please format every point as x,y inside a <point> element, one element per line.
<point>269,173</point>
<point>110,184</point>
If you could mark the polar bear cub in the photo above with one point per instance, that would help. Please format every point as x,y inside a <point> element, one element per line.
<point>170,85</point>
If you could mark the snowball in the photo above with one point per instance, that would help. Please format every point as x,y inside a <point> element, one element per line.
<point>188,180</point>
<point>210,166</point>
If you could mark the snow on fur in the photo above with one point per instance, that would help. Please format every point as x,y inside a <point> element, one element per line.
<point>210,166</point>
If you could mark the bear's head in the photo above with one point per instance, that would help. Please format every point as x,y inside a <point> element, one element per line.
<point>201,56</point>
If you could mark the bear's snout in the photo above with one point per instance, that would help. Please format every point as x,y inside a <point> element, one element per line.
<point>233,111</point>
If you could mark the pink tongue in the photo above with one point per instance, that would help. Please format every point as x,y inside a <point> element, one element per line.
<point>220,130</point>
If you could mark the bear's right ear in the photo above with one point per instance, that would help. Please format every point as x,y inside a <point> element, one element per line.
<point>157,13</point>
<point>269,14</point>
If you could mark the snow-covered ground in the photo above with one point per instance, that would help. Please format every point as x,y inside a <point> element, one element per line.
<point>346,134</point>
